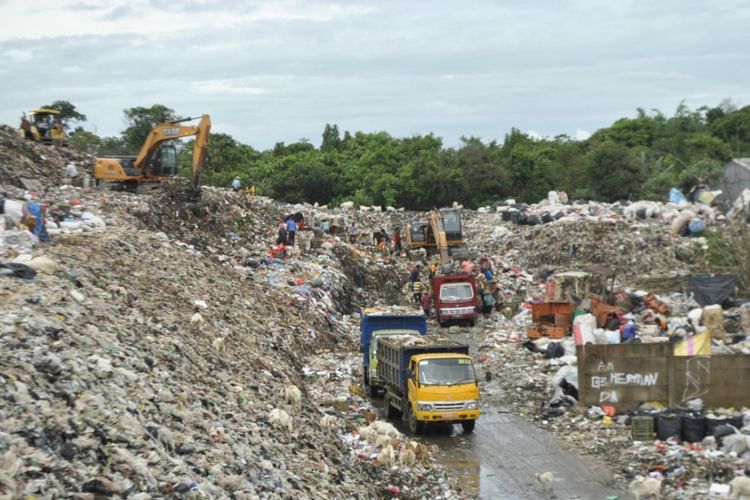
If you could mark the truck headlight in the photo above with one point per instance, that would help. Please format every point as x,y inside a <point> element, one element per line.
<point>421,406</point>
<point>471,405</point>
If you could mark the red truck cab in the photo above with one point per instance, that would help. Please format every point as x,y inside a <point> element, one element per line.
<point>455,298</point>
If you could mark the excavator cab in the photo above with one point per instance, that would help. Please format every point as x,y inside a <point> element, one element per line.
<point>452,225</point>
<point>164,161</point>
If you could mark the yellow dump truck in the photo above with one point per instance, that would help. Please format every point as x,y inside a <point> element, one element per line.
<point>427,380</point>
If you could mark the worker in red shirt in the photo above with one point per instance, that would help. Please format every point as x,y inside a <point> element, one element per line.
<point>397,241</point>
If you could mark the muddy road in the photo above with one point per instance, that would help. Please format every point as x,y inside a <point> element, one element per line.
<point>503,454</point>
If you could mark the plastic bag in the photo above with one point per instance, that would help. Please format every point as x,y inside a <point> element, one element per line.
<point>668,426</point>
<point>676,197</point>
<point>693,428</point>
<point>696,227</point>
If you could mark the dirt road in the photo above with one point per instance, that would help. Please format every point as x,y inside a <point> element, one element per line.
<point>500,458</point>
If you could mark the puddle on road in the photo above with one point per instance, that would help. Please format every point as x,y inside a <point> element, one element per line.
<point>456,452</point>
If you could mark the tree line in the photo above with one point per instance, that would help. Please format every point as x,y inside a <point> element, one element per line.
<point>639,157</point>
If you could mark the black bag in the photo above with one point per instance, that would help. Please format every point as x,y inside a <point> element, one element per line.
<point>533,220</point>
<point>554,350</point>
<point>693,428</point>
<point>723,431</point>
<point>668,426</point>
<point>713,423</point>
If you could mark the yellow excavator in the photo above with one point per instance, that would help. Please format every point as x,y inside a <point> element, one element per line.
<point>157,159</point>
<point>440,232</point>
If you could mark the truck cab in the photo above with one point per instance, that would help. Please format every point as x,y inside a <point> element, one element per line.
<point>455,297</point>
<point>443,388</point>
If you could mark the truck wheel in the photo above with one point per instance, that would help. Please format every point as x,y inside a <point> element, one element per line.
<point>388,410</point>
<point>415,426</point>
<point>442,324</point>
<point>472,322</point>
<point>468,426</point>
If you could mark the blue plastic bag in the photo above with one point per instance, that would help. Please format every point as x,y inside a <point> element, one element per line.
<point>696,227</point>
<point>676,197</point>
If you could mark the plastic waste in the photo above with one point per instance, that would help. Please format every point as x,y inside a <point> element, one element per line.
<point>676,197</point>
<point>583,329</point>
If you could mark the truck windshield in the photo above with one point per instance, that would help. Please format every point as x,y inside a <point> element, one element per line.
<point>446,371</point>
<point>455,292</point>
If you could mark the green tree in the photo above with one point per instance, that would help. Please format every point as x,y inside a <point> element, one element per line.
<point>734,129</point>
<point>331,139</point>
<point>85,142</point>
<point>140,120</point>
<point>613,171</point>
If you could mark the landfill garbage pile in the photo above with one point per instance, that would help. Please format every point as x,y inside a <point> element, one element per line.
<point>242,229</point>
<point>34,166</point>
<point>140,366</point>
<point>627,247</point>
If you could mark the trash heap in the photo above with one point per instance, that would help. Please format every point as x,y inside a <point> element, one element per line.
<point>34,166</point>
<point>141,365</point>
<point>640,238</point>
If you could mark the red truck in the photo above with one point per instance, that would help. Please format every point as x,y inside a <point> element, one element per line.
<point>455,298</point>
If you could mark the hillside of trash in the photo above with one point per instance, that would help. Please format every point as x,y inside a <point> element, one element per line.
<point>157,347</point>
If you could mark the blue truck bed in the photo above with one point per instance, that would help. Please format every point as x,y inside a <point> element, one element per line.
<point>372,320</point>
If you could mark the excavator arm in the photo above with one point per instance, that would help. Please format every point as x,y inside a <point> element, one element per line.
<point>436,223</point>
<point>200,148</point>
<point>174,130</point>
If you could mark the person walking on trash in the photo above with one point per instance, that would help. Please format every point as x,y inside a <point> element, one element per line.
<point>426,301</point>
<point>236,184</point>
<point>291,229</point>
<point>417,288</point>
<point>282,237</point>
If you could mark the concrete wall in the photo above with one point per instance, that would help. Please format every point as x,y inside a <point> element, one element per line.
<point>626,375</point>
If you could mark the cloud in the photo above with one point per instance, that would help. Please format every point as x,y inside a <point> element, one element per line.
<point>17,55</point>
<point>227,87</point>
<point>534,135</point>
<point>582,135</point>
<point>271,71</point>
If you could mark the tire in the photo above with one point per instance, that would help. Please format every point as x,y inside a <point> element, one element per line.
<point>468,426</point>
<point>388,410</point>
<point>415,427</point>
<point>472,322</point>
<point>443,324</point>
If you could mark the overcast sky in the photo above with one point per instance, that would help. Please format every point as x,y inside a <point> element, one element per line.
<point>269,71</point>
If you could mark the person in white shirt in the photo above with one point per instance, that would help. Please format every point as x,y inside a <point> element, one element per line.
<point>71,172</point>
